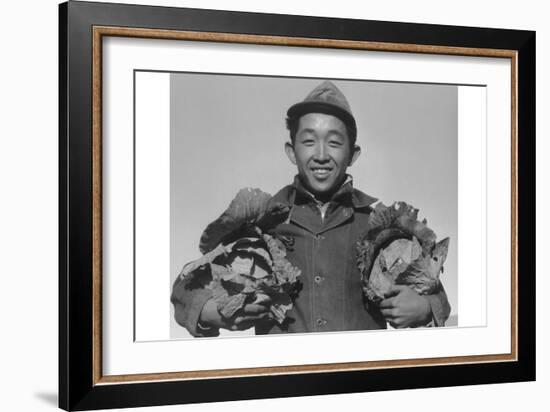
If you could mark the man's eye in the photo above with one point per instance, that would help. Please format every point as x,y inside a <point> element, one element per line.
<point>308,142</point>
<point>335,143</point>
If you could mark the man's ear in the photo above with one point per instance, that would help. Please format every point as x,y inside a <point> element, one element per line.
<point>289,150</point>
<point>355,154</point>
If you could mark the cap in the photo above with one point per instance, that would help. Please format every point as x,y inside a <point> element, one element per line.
<point>326,98</point>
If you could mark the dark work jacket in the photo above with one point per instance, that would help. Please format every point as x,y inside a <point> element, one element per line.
<point>331,297</point>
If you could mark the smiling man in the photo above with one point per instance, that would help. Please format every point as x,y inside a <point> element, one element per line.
<point>322,151</point>
<point>327,218</point>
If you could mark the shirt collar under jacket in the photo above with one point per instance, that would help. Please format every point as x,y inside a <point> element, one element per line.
<point>338,210</point>
<point>347,195</point>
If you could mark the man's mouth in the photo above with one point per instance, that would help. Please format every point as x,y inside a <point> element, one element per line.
<point>321,172</point>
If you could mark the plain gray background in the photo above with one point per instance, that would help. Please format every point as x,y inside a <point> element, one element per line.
<point>29,217</point>
<point>228,132</point>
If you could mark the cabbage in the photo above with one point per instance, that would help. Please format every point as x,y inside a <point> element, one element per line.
<point>399,249</point>
<point>246,264</point>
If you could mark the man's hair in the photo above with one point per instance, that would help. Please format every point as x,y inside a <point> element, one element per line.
<point>293,122</point>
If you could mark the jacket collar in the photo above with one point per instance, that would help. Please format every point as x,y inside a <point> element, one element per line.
<point>297,194</point>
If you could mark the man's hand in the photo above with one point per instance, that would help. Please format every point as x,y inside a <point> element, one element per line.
<point>404,308</point>
<point>244,319</point>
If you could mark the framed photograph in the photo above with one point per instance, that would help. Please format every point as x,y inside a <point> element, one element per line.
<point>257,205</point>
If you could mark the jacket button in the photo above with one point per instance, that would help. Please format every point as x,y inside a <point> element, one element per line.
<point>321,322</point>
<point>318,279</point>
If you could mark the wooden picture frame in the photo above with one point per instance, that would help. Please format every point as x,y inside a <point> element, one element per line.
<point>82,384</point>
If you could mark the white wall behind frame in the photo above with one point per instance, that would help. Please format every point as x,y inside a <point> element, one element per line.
<point>28,166</point>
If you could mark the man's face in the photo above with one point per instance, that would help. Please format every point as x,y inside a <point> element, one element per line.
<point>322,152</point>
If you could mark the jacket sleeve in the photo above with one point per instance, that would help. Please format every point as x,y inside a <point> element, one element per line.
<point>189,296</point>
<point>440,307</point>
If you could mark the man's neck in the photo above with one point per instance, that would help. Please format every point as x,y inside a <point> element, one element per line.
<point>322,199</point>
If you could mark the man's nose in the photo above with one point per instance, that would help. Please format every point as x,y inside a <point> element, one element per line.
<point>321,153</point>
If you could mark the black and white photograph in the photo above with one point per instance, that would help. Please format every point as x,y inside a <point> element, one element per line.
<point>311,205</point>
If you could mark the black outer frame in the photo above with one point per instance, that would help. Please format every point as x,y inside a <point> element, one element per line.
<point>76,389</point>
